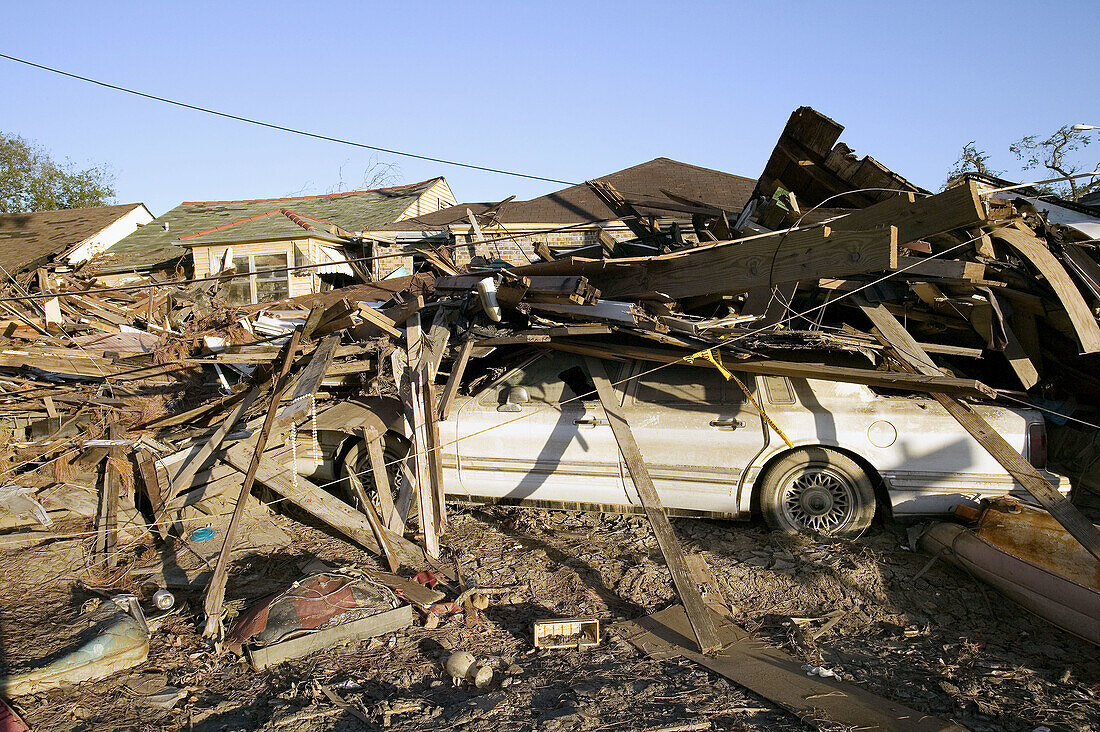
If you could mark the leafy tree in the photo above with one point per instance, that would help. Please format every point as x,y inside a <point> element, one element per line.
<point>971,160</point>
<point>1055,153</point>
<point>32,181</point>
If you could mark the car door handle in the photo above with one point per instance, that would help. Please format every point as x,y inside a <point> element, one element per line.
<point>590,422</point>
<point>726,424</point>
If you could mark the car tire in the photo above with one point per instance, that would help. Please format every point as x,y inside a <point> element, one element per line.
<point>355,464</point>
<point>813,490</point>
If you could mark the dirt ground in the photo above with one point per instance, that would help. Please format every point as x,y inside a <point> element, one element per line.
<point>929,637</point>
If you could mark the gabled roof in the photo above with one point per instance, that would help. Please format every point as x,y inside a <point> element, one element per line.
<point>577,204</point>
<point>165,239</point>
<point>30,239</point>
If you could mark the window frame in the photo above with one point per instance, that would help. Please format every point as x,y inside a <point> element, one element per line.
<point>287,251</point>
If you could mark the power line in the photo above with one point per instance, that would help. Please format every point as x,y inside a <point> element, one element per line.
<point>281,128</point>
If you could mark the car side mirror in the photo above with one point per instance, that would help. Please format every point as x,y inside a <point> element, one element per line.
<point>517,395</point>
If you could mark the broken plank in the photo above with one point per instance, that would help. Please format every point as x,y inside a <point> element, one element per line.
<point>379,320</point>
<point>319,503</point>
<point>309,381</point>
<point>952,269</point>
<point>381,475</point>
<point>1035,251</point>
<point>454,380</point>
<point>414,398</point>
<point>776,676</point>
<point>823,372</point>
<point>910,356</point>
<point>701,620</point>
<point>183,477</point>
<point>215,593</point>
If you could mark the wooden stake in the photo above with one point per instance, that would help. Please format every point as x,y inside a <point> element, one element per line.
<point>701,620</point>
<point>414,407</point>
<point>215,593</point>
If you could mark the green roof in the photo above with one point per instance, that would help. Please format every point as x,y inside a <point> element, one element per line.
<point>166,239</point>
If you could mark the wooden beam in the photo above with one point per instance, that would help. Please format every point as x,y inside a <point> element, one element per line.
<point>382,485</point>
<point>107,526</point>
<point>732,267</point>
<point>454,380</point>
<point>183,478</point>
<point>777,676</point>
<point>953,269</point>
<point>1035,251</point>
<point>379,320</point>
<point>215,593</point>
<point>414,399</point>
<point>918,218</point>
<point>824,372</point>
<point>982,316</point>
<point>911,357</point>
<point>147,468</point>
<point>701,621</point>
<point>309,381</point>
<point>319,503</point>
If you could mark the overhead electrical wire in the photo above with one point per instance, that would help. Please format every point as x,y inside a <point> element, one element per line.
<point>282,128</point>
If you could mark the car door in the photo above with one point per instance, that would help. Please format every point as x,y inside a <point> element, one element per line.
<point>549,445</point>
<point>696,432</point>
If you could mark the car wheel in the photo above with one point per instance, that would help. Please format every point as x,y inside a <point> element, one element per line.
<point>817,491</point>
<point>356,468</point>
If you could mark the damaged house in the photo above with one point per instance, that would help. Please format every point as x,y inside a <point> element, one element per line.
<point>66,237</point>
<point>573,220</point>
<point>212,237</point>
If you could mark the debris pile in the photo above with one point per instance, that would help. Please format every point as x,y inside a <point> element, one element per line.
<point>140,416</point>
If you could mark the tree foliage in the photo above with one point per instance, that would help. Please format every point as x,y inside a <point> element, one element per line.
<point>1062,154</point>
<point>971,160</point>
<point>30,180</point>
<point>1056,154</point>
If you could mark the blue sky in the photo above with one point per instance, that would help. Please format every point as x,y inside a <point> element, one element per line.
<point>566,90</point>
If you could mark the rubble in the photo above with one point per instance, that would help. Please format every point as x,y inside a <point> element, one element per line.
<point>142,416</point>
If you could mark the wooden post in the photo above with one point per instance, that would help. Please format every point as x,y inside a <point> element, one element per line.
<point>701,620</point>
<point>453,381</point>
<point>382,484</point>
<point>215,593</point>
<point>414,407</point>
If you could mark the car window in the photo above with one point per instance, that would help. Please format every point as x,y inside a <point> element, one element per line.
<point>687,386</point>
<point>554,378</point>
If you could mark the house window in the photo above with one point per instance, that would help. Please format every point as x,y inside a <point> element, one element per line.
<point>259,286</point>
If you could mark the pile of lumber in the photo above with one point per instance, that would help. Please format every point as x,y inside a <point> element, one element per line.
<point>159,405</point>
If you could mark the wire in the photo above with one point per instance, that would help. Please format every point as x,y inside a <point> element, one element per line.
<point>282,128</point>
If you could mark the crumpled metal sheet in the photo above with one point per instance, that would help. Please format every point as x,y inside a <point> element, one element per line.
<point>316,602</point>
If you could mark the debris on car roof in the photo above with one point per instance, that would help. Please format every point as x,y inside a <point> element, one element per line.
<point>140,415</point>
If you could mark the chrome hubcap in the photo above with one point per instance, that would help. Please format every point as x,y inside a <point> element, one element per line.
<point>818,499</point>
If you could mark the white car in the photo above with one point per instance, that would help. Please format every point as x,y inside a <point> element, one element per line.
<point>529,439</point>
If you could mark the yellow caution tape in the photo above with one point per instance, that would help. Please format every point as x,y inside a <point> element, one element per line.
<point>715,358</point>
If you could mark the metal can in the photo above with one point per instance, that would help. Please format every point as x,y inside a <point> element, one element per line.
<point>164,600</point>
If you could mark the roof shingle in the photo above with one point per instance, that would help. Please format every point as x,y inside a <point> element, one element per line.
<point>165,239</point>
<point>30,239</point>
<point>577,204</point>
